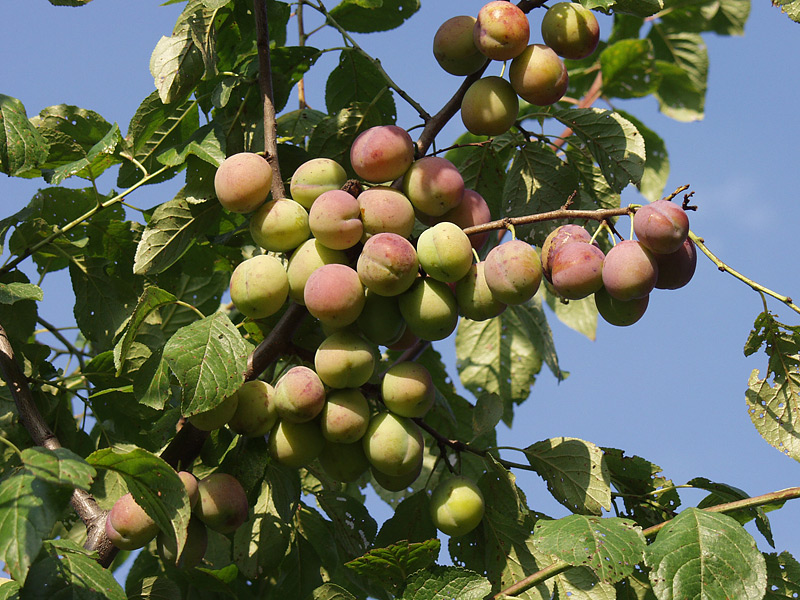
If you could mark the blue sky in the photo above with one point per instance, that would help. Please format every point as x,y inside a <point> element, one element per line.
<point>670,388</point>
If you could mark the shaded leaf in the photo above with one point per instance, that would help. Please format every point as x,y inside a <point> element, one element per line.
<point>783,576</point>
<point>15,291</point>
<point>580,315</point>
<point>445,583</point>
<point>151,299</point>
<point>392,565</point>
<point>656,167</point>
<point>682,60</point>
<point>22,148</point>
<point>356,79</point>
<point>581,583</point>
<point>206,143</point>
<point>628,69</point>
<point>411,521</point>
<point>354,527</point>
<point>59,466</point>
<point>100,157</point>
<point>365,16</point>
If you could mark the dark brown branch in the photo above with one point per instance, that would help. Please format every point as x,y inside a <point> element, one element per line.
<point>84,504</point>
<point>276,341</point>
<point>265,85</point>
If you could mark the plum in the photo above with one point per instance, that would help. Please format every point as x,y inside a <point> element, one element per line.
<point>380,321</point>
<point>259,286</point>
<point>475,299</point>
<point>386,210</point>
<point>193,551</point>
<point>279,225</point>
<point>242,182</point>
<point>676,269</point>
<point>344,462</point>
<point>307,258</point>
<point>557,238</point>
<point>388,264</point>
<point>538,75</point>
<point>571,30</point>
<point>345,416</point>
<point>223,503</point>
<point>513,272</point>
<point>299,395</point>
<point>335,220</point>
<point>501,31</point>
<point>393,444</point>
<point>577,270</point>
<point>629,271</point>
<point>128,526</point>
<point>472,210</point>
<point>454,46</point>
<point>344,360</point>
<point>661,226</point>
<point>429,309</point>
<point>295,444</point>
<point>489,107</point>
<point>382,153</point>
<point>334,294</point>
<point>407,389</point>
<point>314,177</point>
<point>255,409</point>
<point>620,312</point>
<point>433,185</point>
<point>445,252</point>
<point>457,506</point>
<point>216,417</point>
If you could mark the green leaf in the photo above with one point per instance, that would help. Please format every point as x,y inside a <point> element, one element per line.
<point>155,128</point>
<point>638,8</point>
<point>331,591</point>
<point>9,589</point>
<point>610,547</point>
<point>357,79</point>
<point>791,8</point>
<point>729,17</point>
<point>69,572</point>
<point>705,555</point>
<point>289,64</point>
<point>13,292</point>
<point>575,471</point>
<point>411,522</point>
<point>154,485</point>
<point>486,351</point>
<point>392,565</point>
<point>334,135</point>
<point>581,583</point>
<point>487,414</point>
<point>580,315</point>
<point>445,583</point>
<point>151,299</point>
<point>682,60</point>
<point>209,358</point>
<point>151,382</point>
<point>656,167</point>
<point>29,508</point>
<point>158,587</point>
<point>58,467</point>
<point>635,587</point>
<point>783,576</point>
<point>100,157</point>
<point>628,69</point>
<point>206,143</point>
<point>176,65</point>
<point>483,167</point>
<point>296,126</point>
<point>354,527</point>
<point>22,148</point>
<point>171,231</point>
<point>366,16</point>
<point>614,142</point>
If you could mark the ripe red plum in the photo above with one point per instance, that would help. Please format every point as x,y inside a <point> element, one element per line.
<point>502,30</point>
<point>334,294</point>
<point>629,271</point>
<point>307,258</point>
<point>128,526</point>
<point>676,269</point>
<point>513,272</point>
<point>662,226</point>
<point>620,312</point>
<point>577,270</point>
<point>242,182</point>
<point>387,264</point>
<point>382,153</point>
<point>557,238</point>
<point>335,220</point>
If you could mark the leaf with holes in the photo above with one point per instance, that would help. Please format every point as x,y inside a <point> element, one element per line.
<point>610,547</point>
<point>783,577</point>
<point>445,583</point>
<point>355,528</point>
<point>575,471</point>
<point>394,564</point>
<point>707,555</point>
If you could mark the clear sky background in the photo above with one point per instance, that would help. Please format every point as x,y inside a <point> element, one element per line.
<point>671,388</point>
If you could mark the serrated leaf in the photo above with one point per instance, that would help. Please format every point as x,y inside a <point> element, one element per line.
<point>206,143</point>
<point>29,508</point>
<point>13,292</point>
<point>656,167</point>
<point>289,64</point>
<point>610,547</point>
<point>580,583</point>
<point>173,228</point>
<point>176,65</point>
<point>209,358</point>
<point>682,60</point>
<point>614,142</point>
<point>355,528</point>
<point>575,471</point>
<point>151,382</point>
<point>580,315</point>
<point>69,572</point>
<point>392,565</point>
<point>155,487</point>
<point>100,157</point>
<point>158,587</point>
<point>791,8</point>
<point>783,576</point>
<point>22,148</point>
<point>773,410</point>
<point>151,299</point>
<point>58,467</point>
<point>365,16</point>
<point>639,8</point>
<point>356,79</point>
<point>628,69</point>
<point>446,583</point>
<point>331,591</point>
<point>705,555</point>
<point>487,414</point>
<point>411,522</point>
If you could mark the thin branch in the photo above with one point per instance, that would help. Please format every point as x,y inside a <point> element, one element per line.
<point>84,504</point>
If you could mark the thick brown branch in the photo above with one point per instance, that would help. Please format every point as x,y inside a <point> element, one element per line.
<point>265,85</point>
<point>84,504</point>
<point>276,341</point>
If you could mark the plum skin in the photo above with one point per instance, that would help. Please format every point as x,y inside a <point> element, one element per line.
<point>457,506</point>
<point>334,294</point>
<point>407,389</point>
<point>344,360</point>
<point>445,252</point>
<point>345,416</point>
<point>279,225</point>
<point>307,258</point>
<point>490,106</point>
<point>382,153</point>
<point>538,75</point>
<point>259,286</point>
<point>299,395</point>
<point>128,526</point>
<point>570,30</point>
<point>393,444</point>
<point>454,46</point>
<point>629,271</point>
<point>242,182</point>
<point>255,409</point>
<point>577,270</point>
<point>314,177</point>
<point>661,226</point>
<point>513,272</point>
<point>501,31</point>
<point>620,312</point>
<point>429,309</point>
<point>388,264</point>
<point>335,220</point>
<point>676,269</point>
<point>223,503</point>
<point>433,185</point>
<point>475,299</point>
<point>295,444</point>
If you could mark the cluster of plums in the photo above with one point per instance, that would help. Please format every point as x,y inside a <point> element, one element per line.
<point>218,502</point>
<point>537,72</point>
<point>621,280</point>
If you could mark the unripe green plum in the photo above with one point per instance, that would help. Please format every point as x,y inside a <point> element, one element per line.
<point>433,185</point>
<point>128,526</point>
<point>454,46</point>
<point>386,210</point>
<point>382,153</point>
<point>445,252</point>
<point>676,269</point>
<point>190,483</point>
<point>429,309</point>
<point>661,226</point>
<point>344,462</point>
<point>314,177</point>
<point>223,503</point>
<point>457,506</point>
<point>217,417</point>
<point>475,299</point>
<point>501,31</point>
<point>629,271</point>
<point>381,322</point>
<point>620,312</point>
<point>299,395</point>
<point>513,272</point>
<point>259,286</point>
<point>280,225</point>
<point>296,444</point>
<point>557,238</point>
<point>490,106</point>
<point>255,409</point>
<point>307,258</point>
<point>387,264</point>
<point>345,416</point>
<point>472,210</point>
<point>393,444</point>
<point>344,360</point>
<point>193,551</point>
<point>538,75</point>
<point>335,295</point>
<point>570,30</point>
<point>242,182</point>
<point>397,483</point>
<point>407,389</point>
<point>335,220</point>
<point>577,270</point>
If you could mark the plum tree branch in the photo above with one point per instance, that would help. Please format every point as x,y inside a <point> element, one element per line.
<point>560,566</point>
<point>93,517</point>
